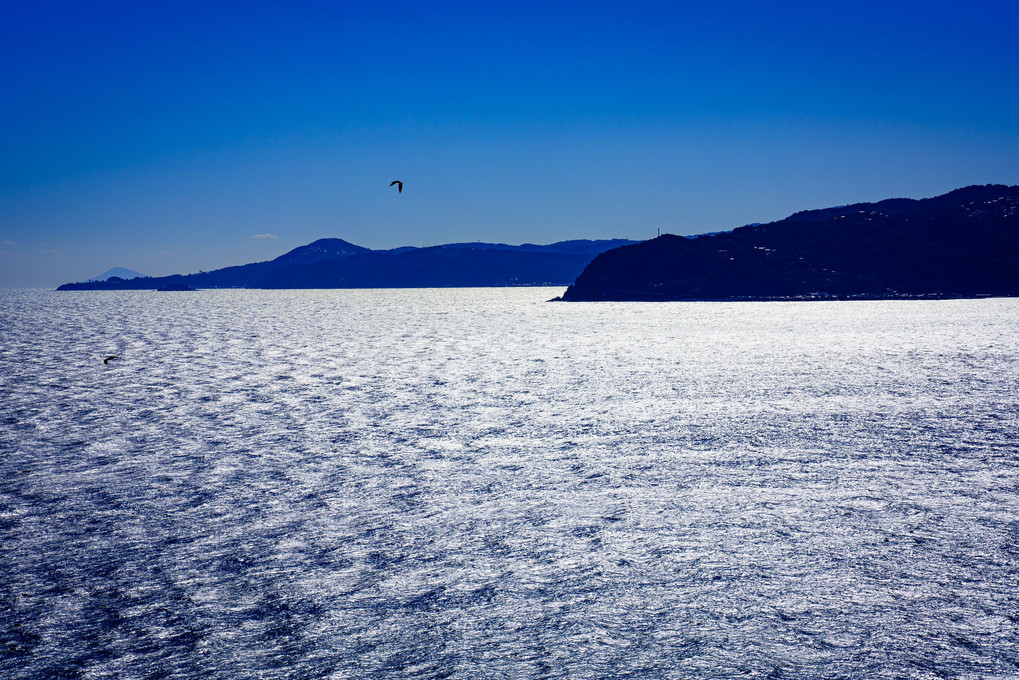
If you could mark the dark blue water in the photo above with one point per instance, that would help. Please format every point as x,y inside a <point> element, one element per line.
<point>476,484</point>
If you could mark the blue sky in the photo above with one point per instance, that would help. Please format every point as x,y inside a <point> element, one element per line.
<point>163,139</point>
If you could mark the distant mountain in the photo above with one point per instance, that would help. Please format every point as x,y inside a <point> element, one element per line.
<point>962,244</point>
<point>335,263</point>
<point>119,272</point>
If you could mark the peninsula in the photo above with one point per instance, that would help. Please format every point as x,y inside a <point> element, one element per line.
<point>962,244</point>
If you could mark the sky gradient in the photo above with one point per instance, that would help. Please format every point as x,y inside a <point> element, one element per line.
<point>193,136</point>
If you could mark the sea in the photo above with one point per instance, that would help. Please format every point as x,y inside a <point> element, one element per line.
<point>477,483</point>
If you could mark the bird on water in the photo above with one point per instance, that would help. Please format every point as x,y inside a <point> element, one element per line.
<point>399,185</point>
<point>107,359</point>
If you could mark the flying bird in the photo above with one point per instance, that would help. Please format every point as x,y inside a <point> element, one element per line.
<point>107,359</point>
<point>399,185</point>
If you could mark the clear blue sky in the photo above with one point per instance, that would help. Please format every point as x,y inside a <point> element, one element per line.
<point>164,138</point>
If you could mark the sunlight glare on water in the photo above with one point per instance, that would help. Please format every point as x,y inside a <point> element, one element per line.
<point>472,483</point>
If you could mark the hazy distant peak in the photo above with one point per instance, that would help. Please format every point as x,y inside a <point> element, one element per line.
<point>119,272</point>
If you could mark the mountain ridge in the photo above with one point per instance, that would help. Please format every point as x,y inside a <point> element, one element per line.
<point>336,263</point>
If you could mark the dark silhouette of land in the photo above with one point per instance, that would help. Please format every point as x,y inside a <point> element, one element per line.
<point>175,288</point>
<point>335,263</point>
<point>962,244</point>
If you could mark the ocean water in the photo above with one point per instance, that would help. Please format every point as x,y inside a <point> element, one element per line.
<point>477,484</point>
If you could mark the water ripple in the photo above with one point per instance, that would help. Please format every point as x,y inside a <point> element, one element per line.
<point>476,484</point>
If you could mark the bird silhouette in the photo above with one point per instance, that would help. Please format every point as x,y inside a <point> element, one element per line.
<point>107,359</point>
<point>399,185</point>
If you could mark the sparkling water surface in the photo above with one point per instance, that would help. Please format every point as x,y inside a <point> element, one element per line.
<point>474,483</point>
